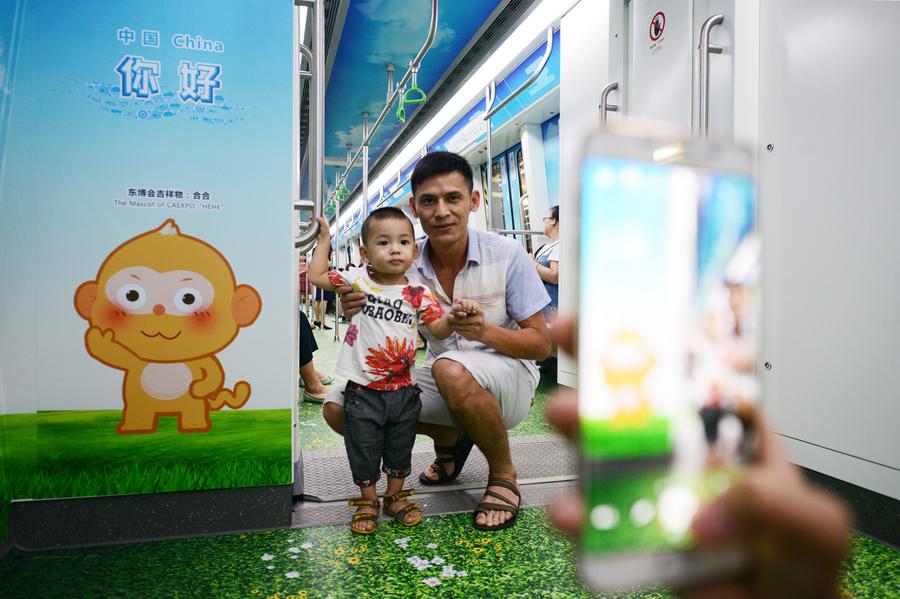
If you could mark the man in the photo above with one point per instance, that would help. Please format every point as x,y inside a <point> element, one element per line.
<point>481,380</point>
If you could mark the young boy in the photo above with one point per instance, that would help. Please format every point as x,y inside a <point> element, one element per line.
<point>381,402</point>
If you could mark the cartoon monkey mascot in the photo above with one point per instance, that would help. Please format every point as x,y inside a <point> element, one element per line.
<point>162,306</point>
<point>626,366</point>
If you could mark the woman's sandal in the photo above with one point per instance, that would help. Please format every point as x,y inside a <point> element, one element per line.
<point>357,517</point>
<point>486,506</point>
<point>400,515</point>
<point>459,453</point>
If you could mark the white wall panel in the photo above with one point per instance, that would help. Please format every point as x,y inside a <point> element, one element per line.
<point>828,106</point>
<point>586,57</point>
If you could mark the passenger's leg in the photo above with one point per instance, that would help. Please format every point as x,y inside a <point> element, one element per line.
<point>311,380</point>
<point>334,413</point>
<point>480,416</point>
<point>435,421</point>
<point>308,345</point>
<point>317,312</point>
<point>403,407</point>
<point>364,441</point>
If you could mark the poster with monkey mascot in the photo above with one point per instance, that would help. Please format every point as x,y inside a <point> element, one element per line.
<point>162,306</point>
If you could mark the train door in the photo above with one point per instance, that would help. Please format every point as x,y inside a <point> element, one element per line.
<point>509,190</point>
<point>677,65</point>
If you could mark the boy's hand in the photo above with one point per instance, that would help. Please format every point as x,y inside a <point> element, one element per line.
<point>324,235</point>
<point>462,308</point>
<point>469,324</point>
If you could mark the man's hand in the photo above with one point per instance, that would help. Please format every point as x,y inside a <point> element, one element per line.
<point>352,302</point>
<point>797,534</point>
<point>469,324</point>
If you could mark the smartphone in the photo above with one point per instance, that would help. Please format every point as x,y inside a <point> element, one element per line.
<point>669,306</point>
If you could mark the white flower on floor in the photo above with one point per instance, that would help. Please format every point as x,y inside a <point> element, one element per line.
<point>432,582</point>
<point>431,545</point>
<point>437,560</point>
<point>295,557</point>
<point>424,566</point>
<point>292,575</point>
<point>448,571</point>
<point>267,557</point>
<point>402,541</point>
<point>461,573</point>
<point>270,567</point>
<point>294,549</point>
<point>307,545</point>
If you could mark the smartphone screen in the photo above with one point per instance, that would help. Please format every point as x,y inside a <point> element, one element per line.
<point>669,263</point>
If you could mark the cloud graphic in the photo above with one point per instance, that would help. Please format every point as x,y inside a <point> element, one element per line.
<point>354,135</point>
<point>2,69</point>
<point>399,31</point>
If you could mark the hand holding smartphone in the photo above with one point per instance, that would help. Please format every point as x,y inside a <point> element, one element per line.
<point>669,291</point>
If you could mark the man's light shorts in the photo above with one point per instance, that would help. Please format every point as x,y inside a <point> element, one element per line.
<point>507,379</point>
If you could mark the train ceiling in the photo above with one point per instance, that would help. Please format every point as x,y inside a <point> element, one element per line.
<point>374,34</point>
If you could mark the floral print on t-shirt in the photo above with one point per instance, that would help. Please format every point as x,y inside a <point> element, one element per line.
<point>379,349</point>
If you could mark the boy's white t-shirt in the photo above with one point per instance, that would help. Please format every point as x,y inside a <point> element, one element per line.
<point>379,349</point>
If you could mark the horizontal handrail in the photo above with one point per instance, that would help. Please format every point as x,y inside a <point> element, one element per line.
<point>532,79</point>
<point>516,232</point>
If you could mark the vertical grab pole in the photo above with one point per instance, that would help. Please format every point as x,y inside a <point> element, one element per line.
<point>390,82</point>
<point>308,296</point>
<point>490,93</point>
<point>705,50</point>
<point>319,107</point>
<point>365,166</point>
<point>337,244</point>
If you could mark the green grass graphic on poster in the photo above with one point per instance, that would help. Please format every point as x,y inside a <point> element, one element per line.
<point>82,455</point>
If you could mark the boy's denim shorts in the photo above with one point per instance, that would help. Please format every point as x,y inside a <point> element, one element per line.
<point>379,430</point>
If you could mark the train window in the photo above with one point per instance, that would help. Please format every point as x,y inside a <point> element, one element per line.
<point>523,190</point>
<point>497,191</point>
<point>520,160</point>
<point>526,223</point>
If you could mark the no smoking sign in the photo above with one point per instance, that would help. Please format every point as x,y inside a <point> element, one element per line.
<point>657,26</point>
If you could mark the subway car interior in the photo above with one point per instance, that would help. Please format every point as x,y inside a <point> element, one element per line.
<point>183,192</point>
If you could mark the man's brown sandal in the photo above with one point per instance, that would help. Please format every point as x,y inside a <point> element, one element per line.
<point>400,515</point>
<point>485,506</point>
<point>365,517</point>
<point>458,454</point>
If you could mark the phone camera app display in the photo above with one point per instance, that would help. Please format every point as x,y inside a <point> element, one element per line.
<point>668,307</point>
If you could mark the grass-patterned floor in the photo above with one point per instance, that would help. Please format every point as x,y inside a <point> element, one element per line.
<point>443,557</point>
<point>315,434</point>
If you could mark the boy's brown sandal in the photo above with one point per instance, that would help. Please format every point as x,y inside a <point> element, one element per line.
<point>400,515</point>
<point>357,517</point>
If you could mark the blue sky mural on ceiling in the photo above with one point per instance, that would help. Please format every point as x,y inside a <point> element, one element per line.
<point>378,32</point>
